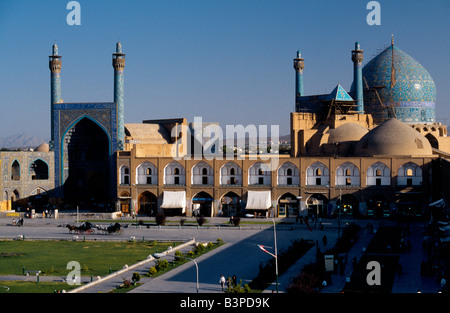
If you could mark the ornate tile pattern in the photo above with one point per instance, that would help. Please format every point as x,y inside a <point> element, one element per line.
<point>409,90</point>
<point>66,115</point>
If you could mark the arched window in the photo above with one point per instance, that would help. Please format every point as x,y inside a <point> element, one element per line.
<point>38,170</point>
<point>409,174</point>
<point>317,175</point>
<point>288,175</point>
<point>174,174</point>
<point>259,174</point>
<point>147,174</point>
<point>378,174</point>
<point>202,174</point>
<point>347,175</point>
<point>124,175</point>
<point>230,174</point>
<point>15,170</point>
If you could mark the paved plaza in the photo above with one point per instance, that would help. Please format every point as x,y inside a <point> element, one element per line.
<point>240,255</point>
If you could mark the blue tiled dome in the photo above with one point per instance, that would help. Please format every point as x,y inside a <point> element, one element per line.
<point>404,86</point>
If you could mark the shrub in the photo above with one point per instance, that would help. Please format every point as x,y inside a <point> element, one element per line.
<point>136,277</point>
<point>160,219</point>
<point>236,220</point>
<point>201,220</point>
<point>152,271</point>
<point>178,255</point>
<point>190,254</point>
<point>219,240</point>
<point>161,265</point>
<point>199,248</point>
<point>126,283</point>
<point>210,244</point>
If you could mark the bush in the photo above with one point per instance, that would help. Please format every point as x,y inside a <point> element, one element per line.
<point>210,244</point>
<point>152,271</point>
<point>178,255</point>
<point>199,248</point>
<point>161,265</point>
<point>201,220</point>
<point>160,219</point>
<point>126,284</point>
<point>235,220</point>
<point>136,277</point>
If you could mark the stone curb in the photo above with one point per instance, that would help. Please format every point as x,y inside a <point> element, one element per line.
<point>119,272</point>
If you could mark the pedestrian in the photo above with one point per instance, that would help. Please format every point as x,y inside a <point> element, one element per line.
<point>222,281</point>
<point>229,282</point>
<point>234,278</point>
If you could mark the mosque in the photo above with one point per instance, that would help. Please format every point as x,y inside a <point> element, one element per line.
<point>375,150</point>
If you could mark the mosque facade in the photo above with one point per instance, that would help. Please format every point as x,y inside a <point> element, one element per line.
<point>375,150</point>
<point>346,157</point>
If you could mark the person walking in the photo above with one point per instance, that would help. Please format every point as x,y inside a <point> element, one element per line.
<point>222,281</point>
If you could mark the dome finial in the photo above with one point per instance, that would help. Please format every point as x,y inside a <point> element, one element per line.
<point>392,39</point>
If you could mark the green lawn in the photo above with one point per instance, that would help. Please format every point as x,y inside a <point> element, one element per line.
<point>51,257</point>
<point>32,287</point>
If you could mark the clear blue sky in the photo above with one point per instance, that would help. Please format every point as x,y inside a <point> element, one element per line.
<point>228,61</point>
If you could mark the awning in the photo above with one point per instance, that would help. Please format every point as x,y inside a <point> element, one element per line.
<point>258,200</point>
<point>174,200</point>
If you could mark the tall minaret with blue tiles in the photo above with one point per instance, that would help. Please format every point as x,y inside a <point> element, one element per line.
<point>55,69</point>
<point>299,65</point>
<point>357,58</point>
<point>119,66</point>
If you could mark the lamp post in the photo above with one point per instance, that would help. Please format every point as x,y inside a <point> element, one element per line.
<point>160,255</point>
<point>136,204</point>
<point>274,255</point>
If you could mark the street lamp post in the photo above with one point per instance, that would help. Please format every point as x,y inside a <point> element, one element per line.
<point>273,255</point>
<point>160,255</point>
<point>276,253</point>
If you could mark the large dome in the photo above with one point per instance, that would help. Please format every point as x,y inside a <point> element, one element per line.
<point>346,132</point>
<point>406,89</point>
<point>393,137</point>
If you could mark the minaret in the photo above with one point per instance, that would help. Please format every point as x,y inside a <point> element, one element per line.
<point>55,69</point>
<point>357,58</point>
<point>119,66</point>
<point>299,64</point>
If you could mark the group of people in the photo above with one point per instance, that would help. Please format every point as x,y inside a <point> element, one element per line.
<point>230,282</point>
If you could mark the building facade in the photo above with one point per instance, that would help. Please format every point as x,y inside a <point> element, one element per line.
<point>27,179</point>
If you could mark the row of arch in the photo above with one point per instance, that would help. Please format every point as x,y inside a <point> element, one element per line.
<point>38,170</point>
<point>231,203</point>
<point>318,174</point>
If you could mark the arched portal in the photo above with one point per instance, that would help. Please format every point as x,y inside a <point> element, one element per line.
<point>86,157</point>
<point>288,205</point>
<point>147,203</point>
<point>202,204</point>
<point>231,204</point>
<point>317,205</point>
<point>347,205</point>
<point>433,141</point>
<point>378,206</point>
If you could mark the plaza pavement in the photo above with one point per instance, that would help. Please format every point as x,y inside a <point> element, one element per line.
<point>239,256</point>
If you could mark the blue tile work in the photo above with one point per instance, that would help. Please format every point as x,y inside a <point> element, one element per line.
<point>67,115</point>
<point>118,98</point>
<point>55,93</point>
<point>409,90</point>
<point>339,94</point>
